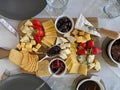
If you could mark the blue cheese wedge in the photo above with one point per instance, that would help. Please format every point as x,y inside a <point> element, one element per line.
<point>80,25</point>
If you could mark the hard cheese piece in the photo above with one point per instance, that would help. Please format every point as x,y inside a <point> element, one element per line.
<point>74,68</point>
<point>51,40</point>
<point>83,69</point>
<point>48,24</point>
<point>15,56</point>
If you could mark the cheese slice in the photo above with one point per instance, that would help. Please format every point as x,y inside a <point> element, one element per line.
<point>46,43</point>
<point>51,34</point>
<point>83,69</point>
<point>48,24</point>
<point>74,68</point>
<point>52,29</point>
<point>51,40</point>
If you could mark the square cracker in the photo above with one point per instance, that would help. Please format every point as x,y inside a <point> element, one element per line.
<point>15,56</point>
<point>43,68</point>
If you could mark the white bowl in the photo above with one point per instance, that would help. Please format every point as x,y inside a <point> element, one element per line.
<point>94,79</point>
<point>58,18</point>
<point>51,72</point>
<point>109,51</point>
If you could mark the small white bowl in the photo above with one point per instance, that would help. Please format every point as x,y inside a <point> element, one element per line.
<point>93,79</point>
<point>60,17</point>
<point>50,70</point>
<point>109,51</point>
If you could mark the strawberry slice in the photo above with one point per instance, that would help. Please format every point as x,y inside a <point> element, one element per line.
<point>82,51</point>
<point>96,50</point>
<point>90,44</point>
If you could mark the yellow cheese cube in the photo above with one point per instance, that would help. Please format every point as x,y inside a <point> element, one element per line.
<point>81,33</point>
<point>75,32</point>
<point>38,46</point>
<point>19,46</point>
<point>28,46</point>
<point>81,39</point>
<point>22,45</point>
<point>87,36</point>
<point>34,49</point>
<point>28,23</point>
<point>33,42</point>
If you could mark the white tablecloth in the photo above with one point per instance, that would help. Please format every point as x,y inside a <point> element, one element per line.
<point>89,8</point>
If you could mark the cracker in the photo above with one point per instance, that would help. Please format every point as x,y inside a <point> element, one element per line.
<point>15,56</point>
<point>43,68</point>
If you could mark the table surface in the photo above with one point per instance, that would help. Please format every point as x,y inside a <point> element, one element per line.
<point>89,8</point>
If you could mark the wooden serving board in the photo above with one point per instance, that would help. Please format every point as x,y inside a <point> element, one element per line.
<point>5,53</point>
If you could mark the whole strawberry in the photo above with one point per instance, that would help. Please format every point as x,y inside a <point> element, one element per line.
<point>95,50</point>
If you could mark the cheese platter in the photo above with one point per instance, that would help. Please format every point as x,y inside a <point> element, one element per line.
<point>34,44</point>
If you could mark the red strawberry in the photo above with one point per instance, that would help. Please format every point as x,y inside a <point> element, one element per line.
<point>82,51</point>
<point>37,38</point>
<point>36,27</point>
<point>82,45</point>
<point>39,33</point>
<point>90,44</point>
<point>96,50</point>
<point>36,22</point>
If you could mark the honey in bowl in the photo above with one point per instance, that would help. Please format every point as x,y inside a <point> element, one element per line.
<point>56,64</point>
<point>89,85</point>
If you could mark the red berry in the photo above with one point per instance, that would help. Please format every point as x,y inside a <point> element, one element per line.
<point>82,45</point>
<point>82,51</point>
<point>96,50</point>
<point>37,39</point>
<point>90,44</point>
<point>36,27</point>
<point>36,22</point>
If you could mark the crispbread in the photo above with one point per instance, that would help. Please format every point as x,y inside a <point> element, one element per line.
<point>25,57</point>
<point>43,68</point>
<point>31,65</point>
<point>15,56</point>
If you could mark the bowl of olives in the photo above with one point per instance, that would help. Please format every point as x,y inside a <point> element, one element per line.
<point>64,24</point>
